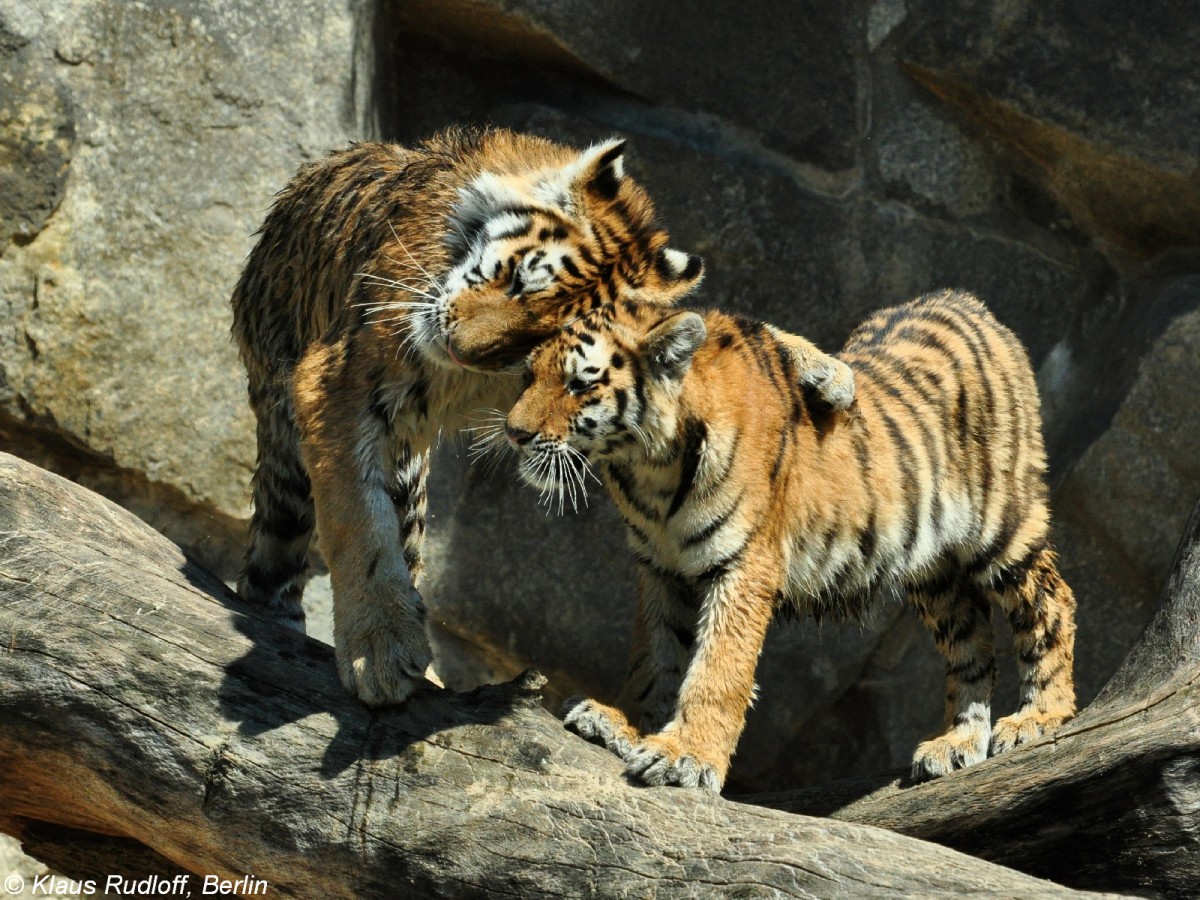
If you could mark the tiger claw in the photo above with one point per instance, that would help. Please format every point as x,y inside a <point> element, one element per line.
<point>658,766</point>
<point>599,724</point>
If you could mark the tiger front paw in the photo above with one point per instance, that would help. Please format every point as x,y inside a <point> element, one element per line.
<point>954,750</point>
<point>1023,727</point>
<point>381,649</point>
<point>833,381</point>
<point>600,724</point>
<point>659,760</point>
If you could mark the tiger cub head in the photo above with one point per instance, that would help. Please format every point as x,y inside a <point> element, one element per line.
<point>606,387</point>
<point>536,249</point>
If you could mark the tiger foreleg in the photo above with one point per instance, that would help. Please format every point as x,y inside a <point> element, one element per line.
<point>694,748</point>
<point>663,625</point>
<point>1041,610</point>
<point>960,618</point>
<point>378,617</point>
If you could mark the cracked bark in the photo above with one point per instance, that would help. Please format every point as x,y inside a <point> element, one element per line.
<point>150,723</point>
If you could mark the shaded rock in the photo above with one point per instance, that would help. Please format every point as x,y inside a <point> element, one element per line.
<point>882,17</point>
<point>1104,108</point>
<point>526,585</point>
<point>868,716</point>
<point>37,133</point>
<point>782,71</point>
<point>922,155</point>
<point>1129,495</point>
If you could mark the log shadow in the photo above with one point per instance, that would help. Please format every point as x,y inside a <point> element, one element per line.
<point>285,677</point>
<point>826,800</point>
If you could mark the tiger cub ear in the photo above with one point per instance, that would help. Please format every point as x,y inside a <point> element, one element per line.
<point>831,378</point>
<point>670,345</point>
<point>596,171</point>
<point>600,169</point>
<point>673,275</point>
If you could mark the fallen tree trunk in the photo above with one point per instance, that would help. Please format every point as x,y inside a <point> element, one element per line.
<point>146,712</point>
<point>1112,801</point>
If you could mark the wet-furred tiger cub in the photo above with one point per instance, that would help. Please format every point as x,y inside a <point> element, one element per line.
<point>392,290</point>
<point>742,491</point>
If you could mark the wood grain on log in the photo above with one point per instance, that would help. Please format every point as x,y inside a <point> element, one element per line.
<point>143,701</point>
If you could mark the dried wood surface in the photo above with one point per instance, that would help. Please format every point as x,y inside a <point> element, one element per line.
<point>151,723</point>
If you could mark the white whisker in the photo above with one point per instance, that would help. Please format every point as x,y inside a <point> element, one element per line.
<point>395,304</point>
<point>641,435</point>
<point>411,258</point>
<point>565,485</point>
<point>489,448</point>
<point>489,415</point>
<point>545,463</point>
<point>581,471</point>
<point>407,288</point>
<point>560,478</point>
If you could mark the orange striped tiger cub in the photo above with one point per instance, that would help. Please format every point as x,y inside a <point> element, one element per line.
<point>743,489</point>
<point>391,291</point>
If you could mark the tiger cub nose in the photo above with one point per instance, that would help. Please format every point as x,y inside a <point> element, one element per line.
<point>518,436</point>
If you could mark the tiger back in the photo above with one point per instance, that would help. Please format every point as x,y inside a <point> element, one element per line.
<point>744,491</point>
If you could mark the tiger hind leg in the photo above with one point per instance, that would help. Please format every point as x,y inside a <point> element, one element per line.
<point>410,499</point>
<point>275,568</point>
<point>1041,610</point>
<point>959,615</point>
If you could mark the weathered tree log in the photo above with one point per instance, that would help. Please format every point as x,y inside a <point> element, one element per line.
<point>141,700</point>
<point>1112,801</point>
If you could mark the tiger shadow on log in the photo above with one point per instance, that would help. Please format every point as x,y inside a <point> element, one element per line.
<point>285,677</point>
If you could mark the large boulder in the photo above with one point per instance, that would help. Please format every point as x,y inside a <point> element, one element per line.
<point>1128,497</point>
<point>1099,99</point>
<point>780,73</point>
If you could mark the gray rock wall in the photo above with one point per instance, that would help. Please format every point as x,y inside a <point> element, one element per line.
<point>826,159</point>
<point>146,141</point>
